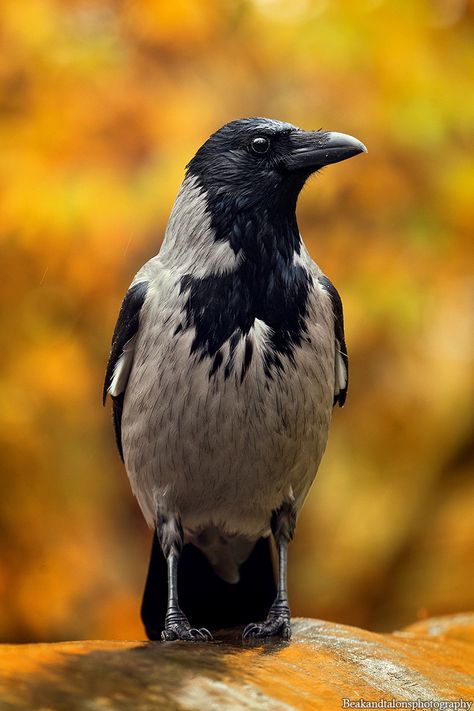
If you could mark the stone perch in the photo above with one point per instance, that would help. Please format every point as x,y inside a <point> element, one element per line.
<point>323,664</point>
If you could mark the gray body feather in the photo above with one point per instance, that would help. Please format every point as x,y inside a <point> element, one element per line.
<point>220,453</point>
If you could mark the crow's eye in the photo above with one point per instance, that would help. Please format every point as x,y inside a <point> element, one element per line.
<point>260,145</point>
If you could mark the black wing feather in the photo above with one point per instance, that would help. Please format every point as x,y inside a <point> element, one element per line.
<point>125,329</point>
<point>338,331</point>
<point>117,407</point>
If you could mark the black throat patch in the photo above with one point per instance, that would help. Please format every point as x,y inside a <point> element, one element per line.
<point>265,285</point>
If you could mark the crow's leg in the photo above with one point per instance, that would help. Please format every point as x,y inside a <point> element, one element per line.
<point>170,536</point>
<point>277,623</point>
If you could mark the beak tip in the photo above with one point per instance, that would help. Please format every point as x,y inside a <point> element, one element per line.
<point>344,140</point>
<point>329,147</point>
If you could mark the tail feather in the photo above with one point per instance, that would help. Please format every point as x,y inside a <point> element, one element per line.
<point>206,599</point>
<point>225,554</point>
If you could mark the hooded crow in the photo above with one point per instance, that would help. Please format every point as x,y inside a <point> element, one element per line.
<point>227,359</point>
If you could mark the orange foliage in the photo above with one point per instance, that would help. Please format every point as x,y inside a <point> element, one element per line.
<point>101,106</point>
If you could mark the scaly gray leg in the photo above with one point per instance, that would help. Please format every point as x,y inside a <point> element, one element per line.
<point>278,620</point>
<point>170,536</point>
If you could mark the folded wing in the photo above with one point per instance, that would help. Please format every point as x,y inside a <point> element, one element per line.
<point>342,360</point>
<point>122,352</point>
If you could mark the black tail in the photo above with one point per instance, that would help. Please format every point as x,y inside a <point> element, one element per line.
<point>207,600</point>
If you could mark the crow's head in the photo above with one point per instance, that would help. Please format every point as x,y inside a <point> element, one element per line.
<point>262,162</point>
<point>237,203</point>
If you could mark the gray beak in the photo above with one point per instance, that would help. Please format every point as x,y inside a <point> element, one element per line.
<point>315,149</point>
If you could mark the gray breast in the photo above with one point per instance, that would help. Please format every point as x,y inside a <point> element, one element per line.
<point>218,449</point>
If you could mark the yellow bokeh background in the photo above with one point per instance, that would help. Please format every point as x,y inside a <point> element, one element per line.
<point>102,103</point>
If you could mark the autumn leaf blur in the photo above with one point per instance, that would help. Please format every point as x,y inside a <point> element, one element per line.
<point>102,103</point>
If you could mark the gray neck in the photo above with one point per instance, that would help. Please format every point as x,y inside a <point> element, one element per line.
<point>189,244</point>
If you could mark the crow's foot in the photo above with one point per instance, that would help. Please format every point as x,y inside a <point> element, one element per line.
<point>177,627</point>
<point>277,624</point>
<point>185,633</point>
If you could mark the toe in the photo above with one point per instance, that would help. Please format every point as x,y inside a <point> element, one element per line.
<point>182,632</point>
<point>274,627</point>
<point>206,634</point>
<point>286,631</point>
<point>168,635</point>
<point>251,631</point>
<point>201,635</point>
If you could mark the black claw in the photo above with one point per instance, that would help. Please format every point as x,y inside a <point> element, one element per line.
<point>206,634</point>
<point>185,633</point>
<point>247,633</point>
<point>195,634</point>
<point>272,627</point>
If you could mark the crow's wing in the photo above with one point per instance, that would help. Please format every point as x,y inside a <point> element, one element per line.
<point>342,361</point>
<point>122,351</point>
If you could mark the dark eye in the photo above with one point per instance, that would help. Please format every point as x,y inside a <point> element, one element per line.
<point>260,145</point>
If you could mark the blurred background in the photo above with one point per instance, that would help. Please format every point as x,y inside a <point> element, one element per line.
<point>102,103</point>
